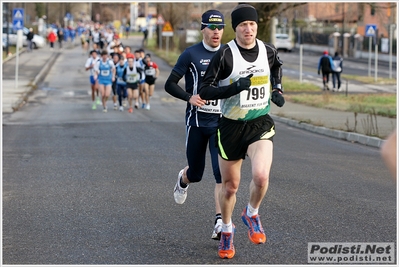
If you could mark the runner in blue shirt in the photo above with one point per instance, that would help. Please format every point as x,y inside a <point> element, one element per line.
<point>201,116</point>
<point>105,71</point>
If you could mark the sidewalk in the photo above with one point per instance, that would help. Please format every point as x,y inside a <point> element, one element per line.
<point>32,69</point>
<point>34,66</point>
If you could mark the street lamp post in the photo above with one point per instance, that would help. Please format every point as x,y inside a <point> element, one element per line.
<point>343,28</point>
<point>6,13</point>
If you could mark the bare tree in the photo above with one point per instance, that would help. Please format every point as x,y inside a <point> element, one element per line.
<point>268,10</point>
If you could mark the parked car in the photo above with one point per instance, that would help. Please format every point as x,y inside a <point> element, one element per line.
<point>38,41</point>
<point>283,42</point>
<point>4,41</point>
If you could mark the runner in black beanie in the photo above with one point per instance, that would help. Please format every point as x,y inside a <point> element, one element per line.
<point>243,12</point>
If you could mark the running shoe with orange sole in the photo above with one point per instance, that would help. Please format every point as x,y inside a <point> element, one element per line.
<point>226,248</point>
<point>255,230</point>
<point>130,110</point>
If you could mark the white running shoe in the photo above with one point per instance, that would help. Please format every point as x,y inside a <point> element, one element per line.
<point>115,106</point>
<point>147,106</point>
<point>180,193</point>
<point>104,109</point>
<point>217,230</point>
<point>120,108</point>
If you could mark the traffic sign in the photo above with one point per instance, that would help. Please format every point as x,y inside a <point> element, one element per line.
<point>370,30</point>
<point>18,18</point>
<point>160,20</point>
<point>167,27</point>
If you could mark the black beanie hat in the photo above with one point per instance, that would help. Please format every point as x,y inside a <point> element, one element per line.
<point>212,17</point>
<point>243,12</point>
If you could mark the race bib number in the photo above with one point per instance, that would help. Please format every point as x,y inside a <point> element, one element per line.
<point>132,78</point>
<point>120,80</point>
<point>150,72</point>
<point>211,106</point>
<point>257,97</point>
<point>105,73</point>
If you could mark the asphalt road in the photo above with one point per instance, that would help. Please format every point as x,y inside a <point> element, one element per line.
<point>86,187</point>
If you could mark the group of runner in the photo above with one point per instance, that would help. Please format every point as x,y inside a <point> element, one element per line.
<point>113,67</point>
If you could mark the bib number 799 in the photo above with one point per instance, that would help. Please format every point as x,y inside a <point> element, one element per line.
<point>255,93</point>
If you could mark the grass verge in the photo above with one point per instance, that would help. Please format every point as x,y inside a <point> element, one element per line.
<point>11,49</point>
<point>380,104</point>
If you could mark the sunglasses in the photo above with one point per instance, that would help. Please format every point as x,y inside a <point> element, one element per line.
<point>214,26</point>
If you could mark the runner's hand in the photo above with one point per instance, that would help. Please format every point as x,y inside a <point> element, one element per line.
<point>197,101</point>
<point>278,98</point>
<point>243,83</point>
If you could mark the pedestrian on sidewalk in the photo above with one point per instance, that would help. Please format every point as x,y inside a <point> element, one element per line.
<point>52,37</point>
<point>337,69</point>
<point>29,37</point>
<point>145,36</point>
<point>60,34</point>
<point>201,117</point>
<point>246,128</point>
<point>325,65</point>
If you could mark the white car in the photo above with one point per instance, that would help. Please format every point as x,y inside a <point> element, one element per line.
<point>38,41</point>
<point>283,42</point>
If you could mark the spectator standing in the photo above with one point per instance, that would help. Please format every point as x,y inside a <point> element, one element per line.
<point>337,69</point>
<point>52,37</point>
<point>127,30</point>
<point>60,35</point>
<point>325,65</point>
<point>145,36</point>
<point>29,37</point>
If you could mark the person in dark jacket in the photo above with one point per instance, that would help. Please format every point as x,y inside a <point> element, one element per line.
<point>29,37</point>
<point>325,65</point>
<point>60,34</point>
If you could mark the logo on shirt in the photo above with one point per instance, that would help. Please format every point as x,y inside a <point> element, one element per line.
<point>205,62</point>
<point>250,70</point>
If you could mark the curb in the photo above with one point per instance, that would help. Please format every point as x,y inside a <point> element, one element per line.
<point>33,85</point>
<point>348,136</point>
<point>14,55</point>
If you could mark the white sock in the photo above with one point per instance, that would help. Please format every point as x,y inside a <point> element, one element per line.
<point>251,211</point>
<point>227,227</point>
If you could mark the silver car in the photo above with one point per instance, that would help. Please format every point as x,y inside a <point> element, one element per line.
<point>283,42</point>
<point>38,41</point>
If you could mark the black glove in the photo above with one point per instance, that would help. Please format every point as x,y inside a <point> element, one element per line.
<point>318,72</point>
<point>278,98</point>
<point>243,83</point>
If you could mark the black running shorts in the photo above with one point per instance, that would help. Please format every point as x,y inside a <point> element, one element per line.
<point>133,86</point>
<point>234,137</point>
